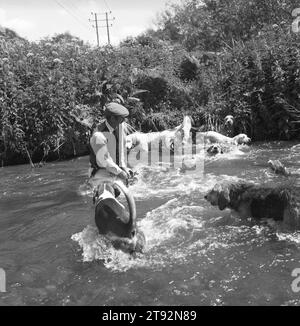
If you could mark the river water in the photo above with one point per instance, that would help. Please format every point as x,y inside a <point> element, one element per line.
<point>196,254</point>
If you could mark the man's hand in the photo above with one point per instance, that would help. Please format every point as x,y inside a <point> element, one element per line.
<point>123,175</point>
<point>129,172</point>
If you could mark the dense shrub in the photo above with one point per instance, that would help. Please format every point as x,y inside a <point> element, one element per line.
<point>260,83</point>
<point>42,83</point>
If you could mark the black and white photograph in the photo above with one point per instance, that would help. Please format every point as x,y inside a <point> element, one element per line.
<point>149,155</point>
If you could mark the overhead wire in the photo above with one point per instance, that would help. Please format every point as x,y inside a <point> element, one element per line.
<point>72,14</point>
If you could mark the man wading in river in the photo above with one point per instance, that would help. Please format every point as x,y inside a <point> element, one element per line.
<point>107,159</point>
<point>107,145</point>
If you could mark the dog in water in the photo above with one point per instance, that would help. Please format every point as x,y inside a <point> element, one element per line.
<point>227,128</point>
<point>114,221</point>
<point>217,149</point>
<point>214,149</point>
<point>278,168</point>
<point>261,202</point>
<point>178,135</point>
<point>212,137</point>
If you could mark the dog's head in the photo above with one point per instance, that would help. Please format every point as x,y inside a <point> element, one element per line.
<point>219,196</point>
<point>215,149</point>
<point>242,139</point>
<point>228,121</point>
<point>131,141</point>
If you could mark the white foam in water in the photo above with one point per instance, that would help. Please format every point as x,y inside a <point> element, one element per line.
<point>159,182</point>
<point>234,153</point>
<point>291,237</point>
<point>96,247</point>
<point>296,148</point>
<point>165,222</point>
<point>85,190</point>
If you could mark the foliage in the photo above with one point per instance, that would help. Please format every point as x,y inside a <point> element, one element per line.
<point>207,59</point>
<point>210,24</point>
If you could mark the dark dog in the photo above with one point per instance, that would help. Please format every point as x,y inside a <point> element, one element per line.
<point>113,220</point>
<point>227,128</point>
<point>277,167</point>
<point>258,202</point>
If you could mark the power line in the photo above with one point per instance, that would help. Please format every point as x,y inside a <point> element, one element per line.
<point>70,13</point>
<point>107,5</point>
<point>77,17</point>
<point>76,8</point>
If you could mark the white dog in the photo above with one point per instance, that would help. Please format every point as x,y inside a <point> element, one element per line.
<point>140,140</point>
<point>167,137</point>
<point>212,137</point>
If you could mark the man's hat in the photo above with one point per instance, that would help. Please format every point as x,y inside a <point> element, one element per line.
<point>116,109</point>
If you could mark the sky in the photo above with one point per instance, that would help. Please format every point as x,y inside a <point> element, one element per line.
<point>35,19</point>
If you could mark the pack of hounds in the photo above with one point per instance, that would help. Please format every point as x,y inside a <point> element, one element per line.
<point>215,142</point>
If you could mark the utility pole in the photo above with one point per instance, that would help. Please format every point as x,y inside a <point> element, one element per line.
<point>107,20</point>
<point>107,28</point>
<point>96,22</point>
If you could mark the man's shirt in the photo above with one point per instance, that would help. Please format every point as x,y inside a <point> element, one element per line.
<point>108,146</point>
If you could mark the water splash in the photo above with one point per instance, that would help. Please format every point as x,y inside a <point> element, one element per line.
<point>166,229</point>
<point>96,247</point>
<point>289,237</point>
<point>184,226</point>
<point>171,223</point>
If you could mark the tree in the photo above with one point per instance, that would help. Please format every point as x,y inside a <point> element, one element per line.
<point>210,24</point>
